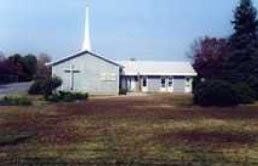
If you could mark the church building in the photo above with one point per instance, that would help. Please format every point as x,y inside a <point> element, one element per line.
<point>86,71</point>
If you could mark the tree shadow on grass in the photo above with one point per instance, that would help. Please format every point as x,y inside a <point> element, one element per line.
<point>34,161</point>
<point>7,139</point>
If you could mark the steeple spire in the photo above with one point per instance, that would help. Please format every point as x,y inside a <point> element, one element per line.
<point>87,41</point>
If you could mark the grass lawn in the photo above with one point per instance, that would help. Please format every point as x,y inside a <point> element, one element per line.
<point>150,130</point>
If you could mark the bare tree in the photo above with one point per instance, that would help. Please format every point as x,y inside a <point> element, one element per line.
<point>208,56</point>
<point>43,71</point>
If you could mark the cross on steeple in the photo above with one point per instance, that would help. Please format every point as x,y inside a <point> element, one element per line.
<point>72,71</point>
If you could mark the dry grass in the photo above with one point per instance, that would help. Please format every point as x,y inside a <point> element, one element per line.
<point>151,130</point>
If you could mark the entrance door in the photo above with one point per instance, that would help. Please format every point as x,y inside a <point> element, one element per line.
<point>188,85</point>
<point>145,84</point>
<point>170,84</point>
<point>133,84</point>
<point>163,84</point>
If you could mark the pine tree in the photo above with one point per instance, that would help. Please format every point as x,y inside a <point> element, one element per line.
<point>242,65</point>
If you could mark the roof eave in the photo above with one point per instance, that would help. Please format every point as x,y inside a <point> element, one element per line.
<point>79,54</point>
<point>161,74</point>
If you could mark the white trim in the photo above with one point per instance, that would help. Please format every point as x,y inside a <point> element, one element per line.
<point>80,53</point>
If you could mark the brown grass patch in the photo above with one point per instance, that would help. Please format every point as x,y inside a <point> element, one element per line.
<point>214,139</point>
<point>157,127</point>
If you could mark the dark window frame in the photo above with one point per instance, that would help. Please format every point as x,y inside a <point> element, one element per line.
<point>163,82</point>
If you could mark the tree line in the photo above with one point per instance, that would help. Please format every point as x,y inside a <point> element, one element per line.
<point>228,67</point>
<point>18,68</point>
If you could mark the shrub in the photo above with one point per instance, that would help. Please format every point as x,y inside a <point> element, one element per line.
<point>244,93</point>
<point>122,91</point>
<point>15,101</point>
<point>51,85</point>
<point>45,87</point>
<point>215,93</point>
<point>81,96</point>
<point>67,96</point>
<point>53,98</point>
<point>37,88</point>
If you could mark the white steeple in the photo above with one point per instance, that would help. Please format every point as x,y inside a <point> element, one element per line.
<point>87,42</point>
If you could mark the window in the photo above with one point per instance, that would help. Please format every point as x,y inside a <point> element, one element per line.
<point>188,82</point>
<point>170,82</point>
<point>144,82</point>
<point>163,82</point>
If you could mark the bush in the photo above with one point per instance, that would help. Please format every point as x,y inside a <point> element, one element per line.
<point>53,98</point>
<point>81,96</point>
<point>215,93</point>
<point>45,87</point>
<point>37,88</point>
<point>51,85</point>
<point>15,101</point>
<point>67,96</point>
<point>244,93</point>
<point>122,92</point>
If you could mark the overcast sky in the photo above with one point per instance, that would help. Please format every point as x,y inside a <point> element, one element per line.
<point>120,29</point>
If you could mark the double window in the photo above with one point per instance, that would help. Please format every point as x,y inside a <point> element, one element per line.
<point>169,83</point>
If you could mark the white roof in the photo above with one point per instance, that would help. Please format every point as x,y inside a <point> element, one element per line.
<point>155,68</point>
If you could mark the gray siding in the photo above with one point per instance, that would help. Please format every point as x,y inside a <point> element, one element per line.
<point>89,79</point>
<point>179,84</point>
<point>154,84</point>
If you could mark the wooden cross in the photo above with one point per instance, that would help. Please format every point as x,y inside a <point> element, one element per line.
<point>72,71</point>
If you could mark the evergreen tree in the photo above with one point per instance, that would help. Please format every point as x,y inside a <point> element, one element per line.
<point>242,65</point>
